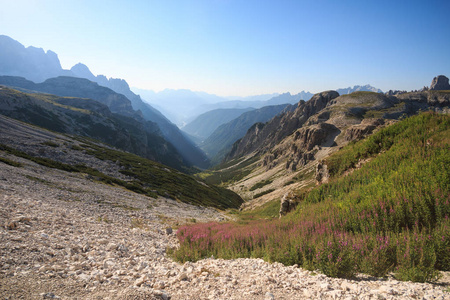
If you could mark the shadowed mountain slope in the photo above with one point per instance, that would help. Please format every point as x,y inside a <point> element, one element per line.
<point>225,135</point>
<point>118,103</point>
<point>89,118</point>
<point>205,124</point>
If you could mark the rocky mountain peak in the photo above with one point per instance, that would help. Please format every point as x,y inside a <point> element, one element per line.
<point>323,97</point>
<point>81,70</point>
<point>32,63</point>
<point>440,83</point>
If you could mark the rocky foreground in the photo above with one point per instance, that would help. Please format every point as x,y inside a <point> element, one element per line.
<point>65,236</point>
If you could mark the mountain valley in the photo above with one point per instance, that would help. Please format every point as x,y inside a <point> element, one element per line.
<point>342,194</point>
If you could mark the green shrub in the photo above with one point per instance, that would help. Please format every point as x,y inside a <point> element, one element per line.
<point>10,162</point>
<point>260,184</point>
<point>263,193</point>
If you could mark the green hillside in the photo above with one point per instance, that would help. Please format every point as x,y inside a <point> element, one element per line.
<point>144,176</point>
<point>389,215</point>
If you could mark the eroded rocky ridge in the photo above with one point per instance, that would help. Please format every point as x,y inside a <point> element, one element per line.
<point>261,137</point>
<point>284,152</point>
<point>357,115</point>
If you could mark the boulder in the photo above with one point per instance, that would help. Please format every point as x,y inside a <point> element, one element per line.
<point>322,174</point>
<point>440,83</point>
<point>287,203</point>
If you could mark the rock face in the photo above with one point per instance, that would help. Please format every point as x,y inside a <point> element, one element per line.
<point>322,174</point>
<point>360,131</point>
<point>300,147</point>
<point>31,62</point>
<point>440,83</point>
<point>266,136</point>
<point>287,204</point>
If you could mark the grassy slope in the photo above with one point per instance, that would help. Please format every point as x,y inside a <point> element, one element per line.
<point>391,215</point>
<point>92,119</point>
<point>150,178</point>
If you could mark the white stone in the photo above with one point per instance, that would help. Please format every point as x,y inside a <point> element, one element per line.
<point>84,277</point>
<point>183,276</point>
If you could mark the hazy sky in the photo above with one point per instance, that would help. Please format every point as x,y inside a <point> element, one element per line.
<point>242,47</point>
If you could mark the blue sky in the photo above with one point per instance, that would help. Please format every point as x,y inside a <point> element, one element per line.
<point>242,47</point>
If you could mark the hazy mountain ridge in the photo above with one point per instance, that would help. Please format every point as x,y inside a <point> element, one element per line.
<point>218,143</point>
<point>170,131</point>
<point>183,106</point>
<point>205,124</point>
<point>36,65</point>
<point>31,62</point>
<point>358,88</point>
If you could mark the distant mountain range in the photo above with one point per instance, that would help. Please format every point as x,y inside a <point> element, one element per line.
<point>32,63</point>
<point>220,141</point>
<point>205,124</point>
<point>183,106</point>
<point>36,65</point>
<point>358,88</point>
<point>42,71</point>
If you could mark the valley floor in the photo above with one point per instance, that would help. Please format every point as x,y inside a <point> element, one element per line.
<point>64,236</point>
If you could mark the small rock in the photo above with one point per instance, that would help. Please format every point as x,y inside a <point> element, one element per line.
<point>11,226</point>
<point>169,231</point>
<point>347,286</point>
<point>387,290</point>
<point>49,296</point>
<point>325,286</point>
<point>162,294</point>
<point>111,246</point>
<point>122,248</point>
<point>84,277</point>
<point>183,276</point>
<point>140,281</point>
<point>160,285</point>
<point>269,296</point>
<point>108,264</point>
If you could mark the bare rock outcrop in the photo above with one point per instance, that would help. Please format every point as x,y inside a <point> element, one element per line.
<point>261,137</point>
<point>314,135</point>
<point>362,130</point>
<point>322,174</point>
<point>440,83</point>
<point>287,204</point>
